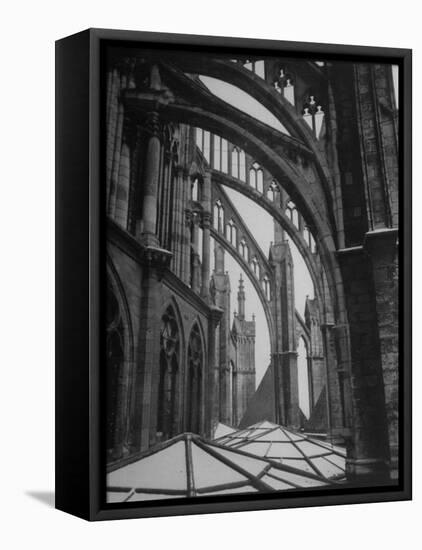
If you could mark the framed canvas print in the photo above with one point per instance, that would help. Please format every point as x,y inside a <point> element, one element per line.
<point>233,274</point>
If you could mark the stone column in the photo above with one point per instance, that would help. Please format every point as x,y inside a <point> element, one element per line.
<point>206,224</point>
<point>117,148</point>
<point>211,415</point>
<point>187,248</point>
<point>278,393</point>
<point>335,397</point>
<point>205,286</point>
<point>382,248</point>
<point>285,357</point>
<point>284,365</point>
<point>368,454</point>
<point>154,261</point>
<point>178,223</point>
<point>195,252</point>
<point>289,383</point>
<point>148,235</point>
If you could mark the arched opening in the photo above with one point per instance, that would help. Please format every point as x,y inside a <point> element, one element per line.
<point>238,164</point>
<point>167,417</point>
<point>203,141</point>
<point>243,101</point>
<point>304,378</point>
<point>218,219</point>
<point>231,233</point>
<point>233,383</point>
<point>256,177</point>
<point>220,159</point>
<point>194,390</point>
<point>114,365</point>
<point>272,191</point>
<point>313,115</point>
<point>267,287</point>
<point>196,190</point>
<point>244,250</point>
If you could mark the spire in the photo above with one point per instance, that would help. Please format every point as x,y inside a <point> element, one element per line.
<point>218,258</point>
<point>241,299</point>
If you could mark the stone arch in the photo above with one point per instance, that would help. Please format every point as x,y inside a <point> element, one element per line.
<point>172,302</point>
<point>119,364</point>
<point>195,378</point>
<point>281,170</point>
<point>236,75</point>
<point>170,373</point>
<point>279,215</point>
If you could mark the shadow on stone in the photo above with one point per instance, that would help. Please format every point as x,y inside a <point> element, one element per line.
<point>45,497</point>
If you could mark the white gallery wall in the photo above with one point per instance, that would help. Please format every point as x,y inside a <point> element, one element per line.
<point>29,30</point>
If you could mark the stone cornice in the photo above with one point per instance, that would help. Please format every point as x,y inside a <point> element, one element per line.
<point>372,241</point>
<point>124,240</point>
<point>150,256</point>
<point>176,285</point>
<point>378,238</point>
<point>159,258</point>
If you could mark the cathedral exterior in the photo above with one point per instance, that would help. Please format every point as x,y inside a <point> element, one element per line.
<point>178,359</point>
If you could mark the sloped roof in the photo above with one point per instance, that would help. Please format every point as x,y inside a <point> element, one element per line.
<point>275,442</point>
<point>188,465</point>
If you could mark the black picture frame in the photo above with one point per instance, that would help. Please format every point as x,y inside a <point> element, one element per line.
<point>79,249</point>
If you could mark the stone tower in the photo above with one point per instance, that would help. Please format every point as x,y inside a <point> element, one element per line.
<point>243,358</point>
<point>220,290</point>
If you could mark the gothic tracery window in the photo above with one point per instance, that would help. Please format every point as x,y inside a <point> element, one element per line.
<point>203,142</point>
<point>284,85</point>
<point>313,115</point>
<point>169,368</point>
<point>231,233</point>
<point>267,287</point>
<point>272,191</point>
<point>238,164</point>
<point>292,213</point>
<point>218,216</point>
<point>256,177</point>
<point>220,154</point>
<point>194,395</point>
<point>257,67</point>
<point>244,250</point>
<point>310,241</point>
<point>195,190</point>
<point>256,268</point>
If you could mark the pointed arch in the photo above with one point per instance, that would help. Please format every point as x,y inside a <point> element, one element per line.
<point>218,218</point>
<point>170,367</point>
<point>196,355</point>
<point>119,359</point>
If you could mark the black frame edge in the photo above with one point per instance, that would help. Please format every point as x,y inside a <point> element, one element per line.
<point>83,497</point>
<point>72,259</point>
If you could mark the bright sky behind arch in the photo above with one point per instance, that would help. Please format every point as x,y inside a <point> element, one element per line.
<point>261,225</point>
<point>241,100</point>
